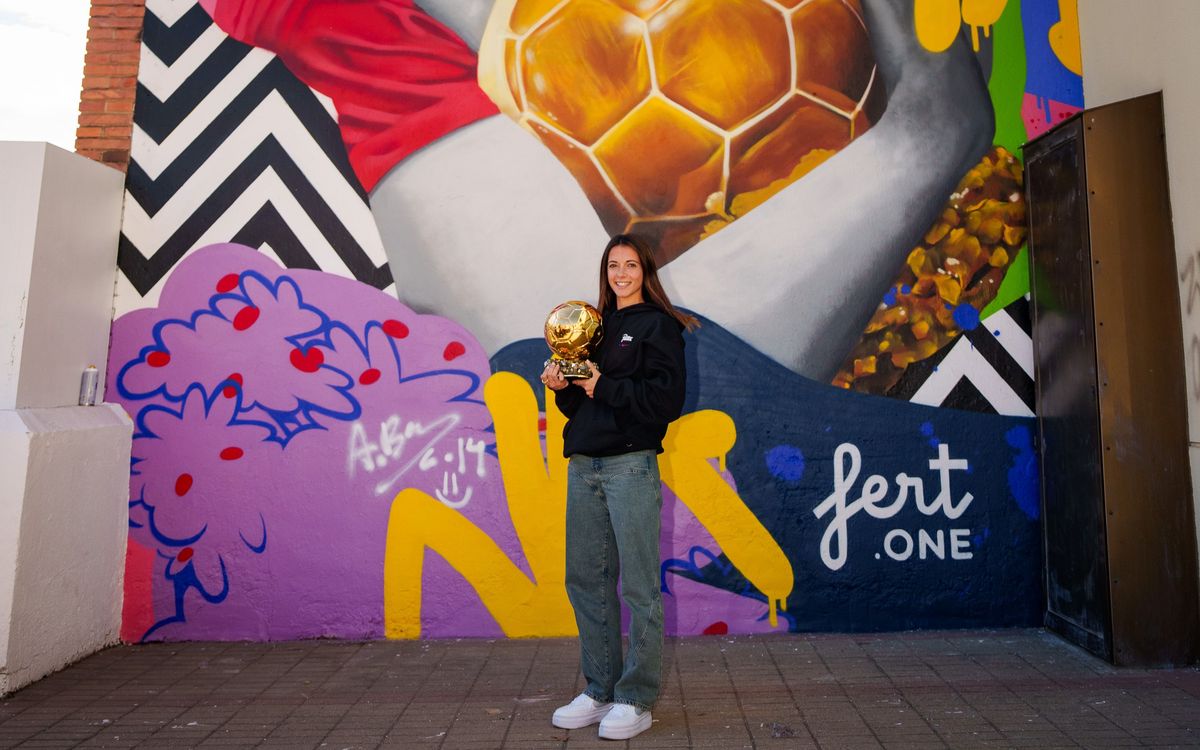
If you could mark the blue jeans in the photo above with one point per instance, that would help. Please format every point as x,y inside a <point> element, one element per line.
<point>613,506</point>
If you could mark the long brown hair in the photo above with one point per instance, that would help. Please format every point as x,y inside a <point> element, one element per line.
<point>652,289</point>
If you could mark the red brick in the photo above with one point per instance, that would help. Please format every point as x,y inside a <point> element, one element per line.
<point>107,119</point>
<point>103,93</point>
<point>110,143</point>
<point>117,157</point>
<point>118,11</point>
<point>117,22</point>
<point>106,46</point>
<point>107,69</point>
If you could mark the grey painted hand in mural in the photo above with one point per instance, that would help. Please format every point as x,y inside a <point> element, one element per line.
<point>486,227</point>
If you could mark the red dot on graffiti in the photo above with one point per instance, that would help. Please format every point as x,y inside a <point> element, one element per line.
<point>227,283</point>
<point>232,453</point>
<point>233,383</point>
<point>184,555</point>
<point>453,350</point>
<point>183,483</point>
<point>717,628</point>
<point>542,424</point>
<point>395,329</point>
<point>245,318</point>
<point>369,376</point>
<point>309,361</point>
<point>158,358</point>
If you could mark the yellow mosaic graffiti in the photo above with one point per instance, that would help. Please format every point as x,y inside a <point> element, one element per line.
<point>535,484</point>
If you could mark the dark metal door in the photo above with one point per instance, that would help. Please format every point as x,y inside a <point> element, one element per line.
<point>1077,595</point>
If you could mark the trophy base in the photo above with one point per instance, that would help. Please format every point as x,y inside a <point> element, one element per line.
<point>571,369</point>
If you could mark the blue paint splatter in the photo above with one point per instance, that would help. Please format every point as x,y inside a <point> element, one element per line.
<point>996,333</point>
<point>786,462</point>
<point>966,317</point>
<point>905,289</point>
<point>1023,474</point>
<point>978,540</point>
<point>927,429</point>
<point>889,299</point>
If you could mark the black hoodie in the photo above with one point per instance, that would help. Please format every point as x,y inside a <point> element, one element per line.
<point>640,390</point>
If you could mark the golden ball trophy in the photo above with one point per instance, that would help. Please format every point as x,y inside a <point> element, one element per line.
<point>573,331</point>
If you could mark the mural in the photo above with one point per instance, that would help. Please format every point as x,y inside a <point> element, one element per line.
<point>346,222</point>
<point>355,434</point>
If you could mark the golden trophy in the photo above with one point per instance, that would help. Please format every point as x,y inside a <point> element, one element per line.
<point>573,331</point>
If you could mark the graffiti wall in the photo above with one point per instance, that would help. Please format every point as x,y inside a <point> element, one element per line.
<point>346,222</point>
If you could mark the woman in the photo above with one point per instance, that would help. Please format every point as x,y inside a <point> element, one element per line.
<point>616,420</point>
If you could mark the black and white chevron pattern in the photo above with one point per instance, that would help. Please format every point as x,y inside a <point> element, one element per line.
<point>228,146</point>
<point>988,369</point>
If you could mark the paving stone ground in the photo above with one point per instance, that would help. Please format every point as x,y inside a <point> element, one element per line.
<point>958,689</point>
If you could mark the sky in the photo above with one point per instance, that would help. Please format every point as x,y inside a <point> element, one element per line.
<point>41,69</point>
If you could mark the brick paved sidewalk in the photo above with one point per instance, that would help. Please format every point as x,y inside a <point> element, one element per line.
<point>1011,688</point>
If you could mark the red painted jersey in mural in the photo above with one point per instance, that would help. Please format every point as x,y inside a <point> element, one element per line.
<point>398,78</point>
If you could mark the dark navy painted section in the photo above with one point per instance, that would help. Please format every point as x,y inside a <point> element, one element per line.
<point>789,428</point>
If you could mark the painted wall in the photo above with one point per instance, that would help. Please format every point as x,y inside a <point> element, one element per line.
<point>344,228</point>
<point>1157,55</point>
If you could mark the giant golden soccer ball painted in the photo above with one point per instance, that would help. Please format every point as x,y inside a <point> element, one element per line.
<point>678,116</point>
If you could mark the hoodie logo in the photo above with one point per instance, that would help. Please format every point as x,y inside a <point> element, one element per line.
<point>626,340</point>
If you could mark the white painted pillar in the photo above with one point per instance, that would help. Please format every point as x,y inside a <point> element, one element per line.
<point>64,468</point>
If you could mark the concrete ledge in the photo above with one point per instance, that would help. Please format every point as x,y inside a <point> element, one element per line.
<point>64,509</point>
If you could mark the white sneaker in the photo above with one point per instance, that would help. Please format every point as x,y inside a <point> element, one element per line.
<point>624,721</point>
<point>581,712</point>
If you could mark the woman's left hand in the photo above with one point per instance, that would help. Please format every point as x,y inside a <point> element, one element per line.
<point>589,385</point>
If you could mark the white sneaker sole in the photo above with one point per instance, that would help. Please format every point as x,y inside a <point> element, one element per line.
<point>579,722</point>
<point>630,730</point>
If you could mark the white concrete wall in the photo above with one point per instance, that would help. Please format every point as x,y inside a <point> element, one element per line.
<point>1133,48</point>
<point>61,217</point>
<point>66,584</point>
<point>64,469</point>
<point>14,460</point>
